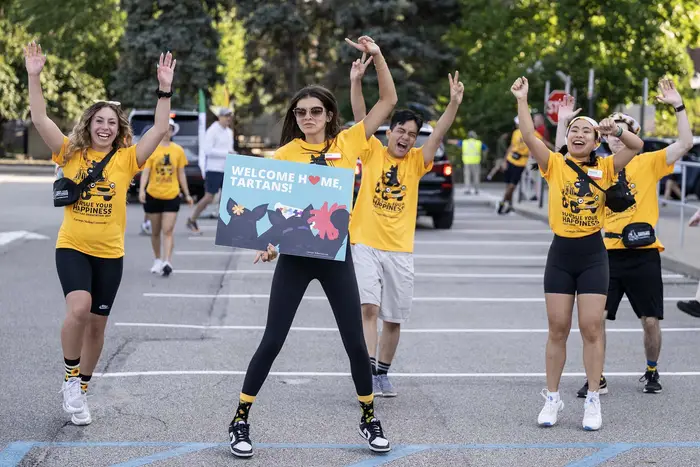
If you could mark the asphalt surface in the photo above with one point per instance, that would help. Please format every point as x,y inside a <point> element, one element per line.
<point>469,368</point>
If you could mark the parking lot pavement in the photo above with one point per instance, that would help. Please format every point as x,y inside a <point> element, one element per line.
<point>469,369</point>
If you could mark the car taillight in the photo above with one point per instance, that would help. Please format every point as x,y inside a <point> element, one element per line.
<point>447,170</point>
<point>358,169</point>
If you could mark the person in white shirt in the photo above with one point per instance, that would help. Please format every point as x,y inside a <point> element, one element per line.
<point>218,143</point>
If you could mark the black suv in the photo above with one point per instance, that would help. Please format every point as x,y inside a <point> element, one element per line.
<point>692,173</point>
<point>435,190</point>
<point>187,137</point>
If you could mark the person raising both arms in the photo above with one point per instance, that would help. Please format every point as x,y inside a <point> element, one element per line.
<point>90,245</point>
<point>383,224</point>
<point>635,265</point>
<point>577,263</point>
<point>159,191</point>
<point>311,134</point>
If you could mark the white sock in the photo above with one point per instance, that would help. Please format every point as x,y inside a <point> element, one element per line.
<point>592,395</point>
<point>553,395</point>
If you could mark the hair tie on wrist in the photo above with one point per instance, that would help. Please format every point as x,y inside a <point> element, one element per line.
<point>680,108</point>
<point>619,131</point>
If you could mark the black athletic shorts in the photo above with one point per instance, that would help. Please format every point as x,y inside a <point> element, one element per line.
<point>513,173</point>
<point>213,181</point>
<point>157,205</point>
<point>98,276</point>
<point>637,274</point>
<point>577,265</point>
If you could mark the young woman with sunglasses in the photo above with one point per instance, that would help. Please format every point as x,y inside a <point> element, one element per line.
<point>577,263</point>
<point>312,135</point>
<point>90,245</point>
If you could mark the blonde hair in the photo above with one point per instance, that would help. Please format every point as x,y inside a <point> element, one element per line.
<point>79,139</point>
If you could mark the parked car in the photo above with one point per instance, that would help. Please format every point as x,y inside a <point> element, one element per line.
<point>692,186</point>
<point>187,137</point>
<point>435,189</point>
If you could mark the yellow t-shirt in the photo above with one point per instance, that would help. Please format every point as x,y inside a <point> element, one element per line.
<point>385,211</point>
<point>343,152</point>
<point>642,174</point>
<point>95,224</point>
<point>164,164</point>
<point>576,207</point>
<point>519,152</point>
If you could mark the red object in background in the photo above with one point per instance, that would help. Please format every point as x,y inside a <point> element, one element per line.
<point>552,110</point>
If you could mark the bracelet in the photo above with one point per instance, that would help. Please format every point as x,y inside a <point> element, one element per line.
<point>619,131</point>
<point>161,94</point>
<point>680,109</point>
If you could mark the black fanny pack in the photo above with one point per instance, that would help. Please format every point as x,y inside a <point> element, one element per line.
<point>67,192</point>
<point>618,197</point>
<point>635,235</point>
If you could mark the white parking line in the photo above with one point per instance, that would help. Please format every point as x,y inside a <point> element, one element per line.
<point>437,242</point>
<point>128,374</point>
<point>516,232</point>
<point>442,275</point>
<point>415,299</point>
<point>509,258</point>
<point>403,330</point>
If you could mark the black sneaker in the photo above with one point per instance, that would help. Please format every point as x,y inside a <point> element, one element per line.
<point>238,433</point>
<point>192,225</point>
<point>692,307</point>
<point>501,207</point>
<point>602,389</point>
<point>652,385</point>
<point>374,434</point>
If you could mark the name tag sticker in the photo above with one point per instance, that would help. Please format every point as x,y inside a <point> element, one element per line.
<point>332,156</point>
<point>595,174</point>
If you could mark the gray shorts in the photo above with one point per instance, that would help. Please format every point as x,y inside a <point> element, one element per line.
<point>385,279</point>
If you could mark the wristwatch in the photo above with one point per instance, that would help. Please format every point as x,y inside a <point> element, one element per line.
<point>161,94</point>
<point>680,108</point>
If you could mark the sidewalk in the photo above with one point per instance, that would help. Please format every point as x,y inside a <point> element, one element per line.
<point>683,259</point>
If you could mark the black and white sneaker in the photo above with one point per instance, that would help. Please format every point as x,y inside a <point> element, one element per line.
<point>374,435</point>
<point>603,389</point>
<point>652,385</point>
<point>238,433</point>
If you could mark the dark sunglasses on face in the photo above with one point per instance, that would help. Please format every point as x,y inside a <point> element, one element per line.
<point>315,112</point>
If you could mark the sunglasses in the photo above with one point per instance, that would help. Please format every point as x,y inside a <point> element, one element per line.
<point>315,112</point>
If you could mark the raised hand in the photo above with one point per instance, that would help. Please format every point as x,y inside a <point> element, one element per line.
<point>566,109</point>
<point>365,44</point>
<point>359,67</point>
<point>456,88</point>
<point>668,93</point>
<point>607,127</point>
<point>520,88</point>
<point>34,59</point>
<point>166,70</point>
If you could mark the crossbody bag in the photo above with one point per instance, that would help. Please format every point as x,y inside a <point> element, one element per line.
<point>67,192</point>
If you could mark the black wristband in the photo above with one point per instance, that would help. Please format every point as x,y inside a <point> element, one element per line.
<point>161,94</point>
<point>680,109</point>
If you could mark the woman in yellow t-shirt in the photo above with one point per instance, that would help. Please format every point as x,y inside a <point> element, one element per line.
<point>577,262</point>
<point>90,245</point>
<point>159,192</point>
<point>312,134</point>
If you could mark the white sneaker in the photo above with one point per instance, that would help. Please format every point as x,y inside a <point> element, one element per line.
<point>146,228</point>
<point>157,267</point>
<point>72,400</point>
<point>550,412</point>
<point>592,417</point>
<point>83,417</point>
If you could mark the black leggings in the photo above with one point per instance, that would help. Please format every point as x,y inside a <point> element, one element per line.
<point>292,276</point>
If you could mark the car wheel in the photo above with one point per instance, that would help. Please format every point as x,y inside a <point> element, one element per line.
<point>443,220</point>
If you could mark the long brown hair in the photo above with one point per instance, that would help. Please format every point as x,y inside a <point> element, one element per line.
<point>79,139</point>
<point>291,130</point>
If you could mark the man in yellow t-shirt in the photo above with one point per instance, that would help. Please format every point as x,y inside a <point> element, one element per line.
<point>633,249</point>
<point>517,156</point>
<point>161,182</point>
<point>383,222</point>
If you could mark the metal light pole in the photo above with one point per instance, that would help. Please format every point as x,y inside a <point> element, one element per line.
<point>591,78</point>
<point>645,96</point>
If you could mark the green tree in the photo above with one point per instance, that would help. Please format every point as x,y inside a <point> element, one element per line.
<point>89,39</point>
<point>623,40</point>
<point>183,27</point>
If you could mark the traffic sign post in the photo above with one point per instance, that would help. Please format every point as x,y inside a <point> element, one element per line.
<point>553,101</point>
